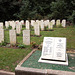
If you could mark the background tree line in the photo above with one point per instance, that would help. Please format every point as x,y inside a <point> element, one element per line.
<point>37,9</point>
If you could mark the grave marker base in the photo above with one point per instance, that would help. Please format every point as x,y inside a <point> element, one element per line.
<point>54,61</point>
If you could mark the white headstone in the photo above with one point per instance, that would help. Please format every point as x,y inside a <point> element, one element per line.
<point>26,37</point>
<point>13,25</point>
<point>57,23</point>
<point>27,25</point>
<point>53,22</point>
<point>6,24</point>
<point>18,27</point>
<point>12,34</point>
<point>54,48</point>
<point>32,22</point>
<point>64,23</point>
<point>22,22</point>
<point>42,25</point>
<point>36,28</point>
<point>37,21</point>
<point>1,35</point>
<point>1,25</point>
<point>46,23</point>
<point>50,26</point>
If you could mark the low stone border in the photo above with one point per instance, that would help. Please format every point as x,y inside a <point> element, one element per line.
<point>19,70</point>
<point>6,73</point>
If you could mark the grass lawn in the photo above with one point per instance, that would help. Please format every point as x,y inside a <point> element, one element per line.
<point>10,57</point>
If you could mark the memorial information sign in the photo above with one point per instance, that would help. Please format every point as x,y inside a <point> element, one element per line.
<point>54,48</point>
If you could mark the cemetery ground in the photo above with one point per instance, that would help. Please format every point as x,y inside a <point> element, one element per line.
<point>11,55</point>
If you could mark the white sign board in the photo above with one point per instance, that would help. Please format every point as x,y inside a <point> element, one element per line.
<point>54,51</point>
<point>54,48</point>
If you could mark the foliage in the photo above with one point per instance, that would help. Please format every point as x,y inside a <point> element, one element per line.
<point>8,8</point>
<point>18,34</point>
<point>58,9</point>
<point>21,46</point>
<point>3,43</point>
<point>34,9</point>
<point>33,45</point>
<point>37,9</point>
<point>10,27</point>
<point>71,18</point>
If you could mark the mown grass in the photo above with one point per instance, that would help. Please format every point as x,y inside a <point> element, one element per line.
<point>9,57</point>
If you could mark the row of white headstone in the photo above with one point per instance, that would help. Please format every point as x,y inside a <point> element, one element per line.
<point>12,36</point>
<point>45,23</point>
<point>41,23</point>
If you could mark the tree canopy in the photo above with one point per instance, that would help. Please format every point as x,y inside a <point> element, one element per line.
<point>37,9</point>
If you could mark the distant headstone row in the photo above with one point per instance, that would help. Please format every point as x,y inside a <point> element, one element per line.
<point>27,23</point>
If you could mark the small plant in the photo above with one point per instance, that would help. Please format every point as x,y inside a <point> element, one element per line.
<point>40,47</point>
<point>34,45</point>
<point>21,34</point>
<point>21,46</point>
<point>3,43</point>
<point>18,34</point>
<point>10,27</point>
<point>23,26</point>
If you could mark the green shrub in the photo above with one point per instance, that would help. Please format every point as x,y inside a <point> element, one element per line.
<point>21,34</point>
<point>34,45</point>
<point>18,34</point>
<point>3,43</point>
<point>21,46</point>
<point>10,27</point>
<point>23,26</point>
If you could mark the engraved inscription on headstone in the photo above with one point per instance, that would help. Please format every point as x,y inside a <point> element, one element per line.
<point>26,37</point>
<point>12,34</point>
<point>36,28</point>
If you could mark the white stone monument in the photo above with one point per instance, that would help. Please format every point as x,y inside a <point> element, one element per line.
<point>13,25</point>
<point>50,26</point>
<point>27,25</point>
<point>1,25</point>
<point>6,24</point>
<point>58,23</point>
<point>32,22</point>
<point>36,28</point>
<point>26,37</point>
<point>22,22</point>
<point>46,23</point>
<point>12,34</point>
<point>18,28</point>
<point>1,35</point>
<point>53,22</point>
<point>54,51</point>
<point>64,23</point>
<point>42,25</point>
